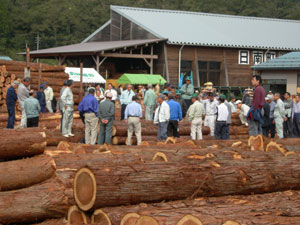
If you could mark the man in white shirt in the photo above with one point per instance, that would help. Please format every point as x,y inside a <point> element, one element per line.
<point>49,97</point>
<point>162,117</point>
<point>244,109</point>
<point>233,105</point>
<point>113,92</point>
<point>210,106</point>
<point>221,120</point>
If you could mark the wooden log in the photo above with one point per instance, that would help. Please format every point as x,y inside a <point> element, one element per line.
<point>53,222</point>
<point>35,203</point>
<point>128,179</point>
<point>76,216</point>
<point>26,172</point>
<point>248,210</point>
<point>21,143</point>
<point>55,136</point>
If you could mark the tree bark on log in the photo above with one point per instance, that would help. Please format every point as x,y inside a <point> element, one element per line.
<point>55,136</point>
<point>53,222</point>
<point>254,209</point>
<point>16,144</point>
<point>26,172</point>
<point>35,203</point>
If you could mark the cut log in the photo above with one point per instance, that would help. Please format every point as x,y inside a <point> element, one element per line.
<point>21,143</point>
<point>26,172</point>
<point>256,143</point>
<point>76,216</point>
<point>273,146</point>
<point>55,136</point>
<point>229,210</point>
<point>38,202</point>
<point>53,222</point>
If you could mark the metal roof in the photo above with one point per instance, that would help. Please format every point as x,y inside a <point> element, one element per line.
<point>290,61</point>
<point>5,58</point>
<point>205,29</point>
<point>129,78</point>
<point>96,31</point>
<point>91,47</point>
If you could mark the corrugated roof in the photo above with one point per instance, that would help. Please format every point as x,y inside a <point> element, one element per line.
<point>92,47</point>
<point>5,58</point>
<point>129,78</point>
<point>290,61</point>
<point>205,29</point>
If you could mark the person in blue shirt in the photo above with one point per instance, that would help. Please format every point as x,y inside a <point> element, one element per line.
<point>133,114</point>
<point>11,99</point>
<point>88,107</point>
<point>175,117</point>
<point>40,95</point>
<point>125,99</point>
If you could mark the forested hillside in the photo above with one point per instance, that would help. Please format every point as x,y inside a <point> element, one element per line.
<point>62,22</point>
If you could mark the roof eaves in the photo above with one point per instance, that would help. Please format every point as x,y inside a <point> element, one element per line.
<point>96,31</point>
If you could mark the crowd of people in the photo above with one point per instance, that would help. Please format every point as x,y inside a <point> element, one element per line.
<point>263,114</point>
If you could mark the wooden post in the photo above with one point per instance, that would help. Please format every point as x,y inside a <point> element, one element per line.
<point>196,67</point>
<point>81,89</point>
<point>27,69</point>
<point>151,61</point>
<point>40,74</point>
<point>105,79</point>
<point>166,62</point>
<point>225,68</point>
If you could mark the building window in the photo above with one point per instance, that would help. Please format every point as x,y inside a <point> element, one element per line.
<point>244,57</point>
<point>270,55</point>
<point>258,57</point>
<point>186,69</point>
<point>209,72</point>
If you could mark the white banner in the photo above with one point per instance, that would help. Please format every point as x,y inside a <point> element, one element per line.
<point>89,75</point>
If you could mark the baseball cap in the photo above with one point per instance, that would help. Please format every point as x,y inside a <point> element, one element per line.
<point>238,102</point>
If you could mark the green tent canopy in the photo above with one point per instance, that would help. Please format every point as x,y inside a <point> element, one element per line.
<point>128,78</point>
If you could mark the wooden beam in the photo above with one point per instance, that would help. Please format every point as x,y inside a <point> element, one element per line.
<point>151,61</point>
<point>102,61</point>
<point>135,56</point>
<point>196,66</point>
<point>149,64</point>
<point>166,62</point>
<point>225,68</point>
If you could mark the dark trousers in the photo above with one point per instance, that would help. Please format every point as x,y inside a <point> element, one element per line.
<point>61,120</point>
<point>173,128</point>
<point>227,131</point>
<point>269,129</point>
<point>33,122</point>
<point>43,109</point>
<point>185,106</point>
<point>11,117</point>
<point>220,130</point>
<point>288,128</point>
<point>296,124</point>
<point>123,107</point>
<point>105,133</point>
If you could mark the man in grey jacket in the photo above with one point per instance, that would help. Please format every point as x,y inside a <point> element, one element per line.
<point>279,115</point>
<point>67,103</point>
<point>23,94</point>
<point>288,123</point>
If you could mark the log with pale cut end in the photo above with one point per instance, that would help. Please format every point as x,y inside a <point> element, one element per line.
<point>21,143</point>
<point>256,143</point>
<point>260,209</point>
<point>35,203</point>
<point>273,146</point>
<point>26,172</point>
<point>99,217</point>
<point>76,216</point>
<point>146,220</point>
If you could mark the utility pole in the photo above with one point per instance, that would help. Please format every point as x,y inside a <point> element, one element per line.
<point>37,40</point>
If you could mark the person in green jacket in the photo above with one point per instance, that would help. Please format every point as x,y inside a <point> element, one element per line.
<point>149,102</point>
<point>32,108</point>
<point>187,91</point>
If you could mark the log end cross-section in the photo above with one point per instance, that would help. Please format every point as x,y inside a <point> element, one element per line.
<point>189,220</point>
<point>100,217</point>
<point>130,219</point>
<point>146,220</point>
<point>76,216</point>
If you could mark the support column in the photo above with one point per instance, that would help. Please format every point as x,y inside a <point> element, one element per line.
<point>166,62</point>
<point>151,61</point>
<point>196,66</point>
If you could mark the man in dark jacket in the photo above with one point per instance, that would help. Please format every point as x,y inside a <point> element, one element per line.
<point>40,95</point>
<point>267,119</point>
<point>11,99</point>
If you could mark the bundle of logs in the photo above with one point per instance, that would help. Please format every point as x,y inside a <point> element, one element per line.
<point>149,131</point>
<point>231,182</point>
<point>39,73</point>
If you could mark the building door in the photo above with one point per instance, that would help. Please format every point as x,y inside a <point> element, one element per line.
<point>209,71</point>
<point>274,85</point>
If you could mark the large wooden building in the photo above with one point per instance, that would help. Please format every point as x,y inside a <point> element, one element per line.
<point>217,48</point>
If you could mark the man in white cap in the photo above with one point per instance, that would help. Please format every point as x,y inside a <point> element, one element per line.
<point>11,99</point>
<point>244,109</point>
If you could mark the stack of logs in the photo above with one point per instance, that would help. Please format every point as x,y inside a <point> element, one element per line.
<point>212,182</point>
<point>39,73</point>
<point>149,131</point>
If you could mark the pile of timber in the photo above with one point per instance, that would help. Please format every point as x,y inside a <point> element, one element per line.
<point>149,131</point>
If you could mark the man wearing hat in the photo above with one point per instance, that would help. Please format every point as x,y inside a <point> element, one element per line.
<point>244,109</point>
<point>49,97</point>
<point>149,102</point>
<point>221,120</point>
<point>106,114</point>
<point>11,99</point>
<point>162,117</point>
<point>40,96</point>
<point>210,105</point>
<point>187,90</point>
<point>68,103</point>
<point>194,115</point>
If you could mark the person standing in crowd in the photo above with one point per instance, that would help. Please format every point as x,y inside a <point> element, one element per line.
<point>173,91</point>
<point>23,93</point>
<point>149,102</point>
<point>68,103</point>
<point>88,107</point>
<point>119,91</point>
<point>133,114</point>
<point>175,117</point>
<point>279,115</point>
<point>210,105</point>
<point>49,97</point>
<point>194,114</point>
<point>244,109</point>
<point>113,92</point>
<point>229,120</point>
<point>246,98</point>
<point>11,99</point>
<point>266,118</point>
<point>40,96</point>
<point>60,104</point>
<point>187,90</point>
<point>296,116</point>
<point>126,98</point>
<point>167,89</point>
<point>270,128</point>
<point>288,123</point>
<point>161,117</point>
<point>32,108</point>
<point>255,116</point>
<point>232,104</point>
<point>179,99</point>
<point>106,114</point>
<point>221,120</point>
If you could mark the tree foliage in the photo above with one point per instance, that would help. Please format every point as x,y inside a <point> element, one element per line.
<point>62,22</point>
